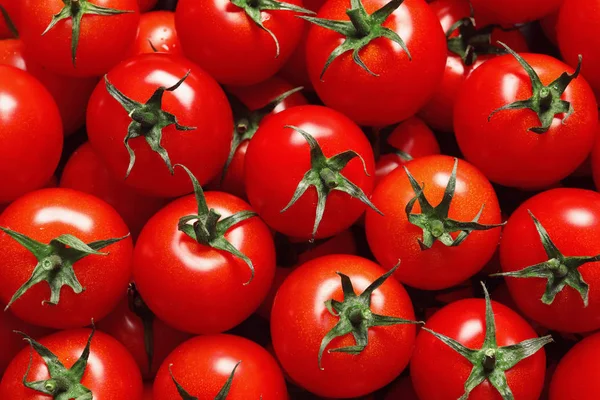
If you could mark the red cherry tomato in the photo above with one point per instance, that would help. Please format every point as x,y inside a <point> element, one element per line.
<point>502,146</point>
<point>156,33</point>
<point>402,86</point>
<point>203,364</point>
<point>511,12</point>
<point>146,5</point>
<point>198,103</point>
<point>110,373</point>
<point>30,132</point>
<point>43,216</point>
<point>85,172</point>
<point>278,158</point>
<point>236,39</point>
<point>300,321</point>
<point>392,237</point>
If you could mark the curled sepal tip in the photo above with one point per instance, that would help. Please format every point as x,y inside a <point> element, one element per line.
<point>222,395</point>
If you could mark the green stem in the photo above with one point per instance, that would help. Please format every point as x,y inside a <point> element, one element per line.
<point>146,118</point>
<point>356,317</point>
<point>52,262</point>
<point>489,361</point>
<point>545,98</point>
<point>75,6</point>
<point>437,228</point>
<point>363,28</point>
<point>328,177</point>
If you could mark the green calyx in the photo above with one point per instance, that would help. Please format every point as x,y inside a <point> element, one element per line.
<point>207,227</point>
<point>356,316</point>
<point>148,120</point>
<point>559,270</point>
<point>143,312</point>
<point>9,23</point>
<point>491,361</point>
<point>55,262</point>
<point>434,220</point>
<point>325,175</point>
<point>253,9</point>
<point>246,121</point>
<point>361,30</point>
<point>546,101</point>
<point>64,384</point>
<point>75,10</point>
<point>222,395</point>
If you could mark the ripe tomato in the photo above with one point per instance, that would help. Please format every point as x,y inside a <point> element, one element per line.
<point>156,33</point>
<point>577,30</point>
<point>232,285</point>
<point>146,5</point>
<point>511,12</point>
<point>488,136</point>
<point>487,349</point>
<point>30,132</point>
<point>43,216</point>
<point>109,373</point>
<point>411,139</point>
<point>11,8</point>
<point>482,39</point>
<point>402,85</point>
<point>571,218</point>
<point>302,327</point>
<point>236,37</point>
<point>394,237</point>
<point>85,172</point>
<point>576,376</point>
<point>203,364</point>
<point>279,160</point>
<point>257,102</point>
<point>199,103</point>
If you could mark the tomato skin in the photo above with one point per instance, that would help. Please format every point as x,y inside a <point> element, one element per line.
<point>572,219</point>
<point>108,363</point>
<point>44,215</point>
<point>464,321</point>
<point>511,12</point>
<point>236,39</point>
<point>12,8</point>
<point>85,172</point>
<point>170,267</point>
<point>203,364</point>
<point>488,145</point>
<point>299,321</point>
<point>391,237</point>
<point>157,28</point>
<point>375,100</point>
<point>146,5</point>
<point>437,113</point>
<point>30,132</point>
<point>199,103</point>
<point>277,159</point>
<point>576,376</point>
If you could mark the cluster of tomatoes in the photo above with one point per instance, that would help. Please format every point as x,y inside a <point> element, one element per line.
<point>301,199</point>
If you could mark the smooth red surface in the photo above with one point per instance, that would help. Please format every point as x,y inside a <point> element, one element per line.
<point>44,215</point>
<point>572,219</point>
<point>157,28</point>
<point>203,364</point>
<point>299,321</point>
<point>438,372</point>
<point>199,102</point>
<point>11,7</point>
<point>111,372</point>
<point>392,238</point>
<point>146,5</point>
<point>511,12</point>
<point>503,148</point>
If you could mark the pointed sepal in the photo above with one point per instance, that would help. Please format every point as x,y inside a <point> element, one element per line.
<point>222,395</point>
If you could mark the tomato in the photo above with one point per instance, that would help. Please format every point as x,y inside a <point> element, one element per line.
<point>85,172</point>
<point>103,40</point>
<point>437,113</point>
<point>511,12</point>
<point>204,364</point>
<point>30,132</point>
<point>427,263</point>
<point>198,138</point>
<point>548,24</point>
<point>279,160</point>
<point>402,389</point>
<point>512,146</point>
<point>251,105</point>
<point>576,28</point>
<point>147,5</point>
<point>571,220</point>
<point>576,376</point>
<point>44,216</point>
<point>262,45</point>
<point>185,247</point>
<point>105,367</point>
<point>156,33</point>
<point>411,139</point>
<point>402,84</point>
<point>302,327</point>
<point>11,9</point>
